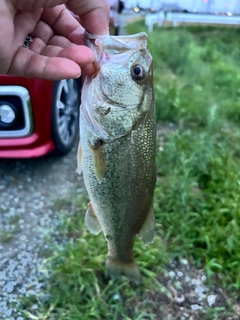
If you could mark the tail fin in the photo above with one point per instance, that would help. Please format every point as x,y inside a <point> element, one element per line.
<point>116,268</point>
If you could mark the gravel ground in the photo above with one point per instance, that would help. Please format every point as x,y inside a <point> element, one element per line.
<point>28,189</point>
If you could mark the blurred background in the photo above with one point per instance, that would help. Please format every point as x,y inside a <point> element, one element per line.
<point>201,6</point>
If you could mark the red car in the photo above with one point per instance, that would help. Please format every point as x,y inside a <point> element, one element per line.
<point>37,116</point>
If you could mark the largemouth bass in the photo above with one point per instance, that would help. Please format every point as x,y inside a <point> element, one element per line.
<point>117,147</point>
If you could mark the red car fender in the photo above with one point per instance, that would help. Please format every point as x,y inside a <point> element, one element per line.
<point>39,142</point>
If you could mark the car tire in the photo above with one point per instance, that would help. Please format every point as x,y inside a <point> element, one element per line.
<point>65,114</point>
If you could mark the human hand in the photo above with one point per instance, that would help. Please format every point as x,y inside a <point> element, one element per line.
<point>58,50</point>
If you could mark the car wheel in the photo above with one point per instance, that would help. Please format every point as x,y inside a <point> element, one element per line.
<point>65,114</point>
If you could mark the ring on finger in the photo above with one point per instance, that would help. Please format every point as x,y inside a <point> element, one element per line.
<point>28,41</point>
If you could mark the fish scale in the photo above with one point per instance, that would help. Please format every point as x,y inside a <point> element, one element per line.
<point>117,149</point>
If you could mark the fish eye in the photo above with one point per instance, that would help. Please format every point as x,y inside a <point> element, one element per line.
<point>138,72</point>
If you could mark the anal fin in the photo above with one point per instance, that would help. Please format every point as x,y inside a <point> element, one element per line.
<point>91,220</point>
<point>147,232</point>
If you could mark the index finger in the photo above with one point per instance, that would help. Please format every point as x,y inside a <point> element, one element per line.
<point>94,14</point>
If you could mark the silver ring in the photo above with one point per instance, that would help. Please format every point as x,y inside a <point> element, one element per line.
<point>27,42</point>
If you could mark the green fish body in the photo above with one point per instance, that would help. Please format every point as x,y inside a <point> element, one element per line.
<point>117,147</point>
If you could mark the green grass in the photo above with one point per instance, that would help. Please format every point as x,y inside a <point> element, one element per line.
<point>197,197</point>
<point>199,184</point>
<point>78,287</point>
<point>197,86</point>
<point>5,234</point>
<point>199,180</point>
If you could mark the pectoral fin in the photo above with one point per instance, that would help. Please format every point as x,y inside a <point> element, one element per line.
<point>91,220</point>
<point>99,160</point>
<point>79,158</point>
<point>147,232</point>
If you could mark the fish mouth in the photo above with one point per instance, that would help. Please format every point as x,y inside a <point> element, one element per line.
<point>116,43</point>
<point>137,36</point>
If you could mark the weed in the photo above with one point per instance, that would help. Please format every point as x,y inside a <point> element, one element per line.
<point>5,236</point>
<point>78,287</point>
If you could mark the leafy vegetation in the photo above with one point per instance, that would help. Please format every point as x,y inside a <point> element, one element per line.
<point>199,166</point>
<point>78,287</point>
<point>197,198</point>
